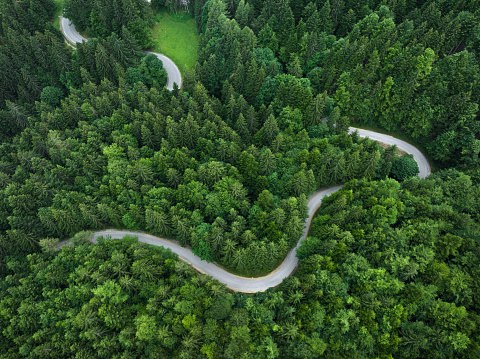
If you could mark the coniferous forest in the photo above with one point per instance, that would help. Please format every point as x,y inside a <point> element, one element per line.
<point>90,139</point>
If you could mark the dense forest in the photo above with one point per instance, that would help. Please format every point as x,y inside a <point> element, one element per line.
<point>101,18</point>
<point>389,270</point>
<point>91,139</point>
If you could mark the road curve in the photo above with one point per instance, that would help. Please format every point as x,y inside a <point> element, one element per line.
<point>72,36</point>
<point>422,161</point>
<point>69,32</point>
<point>287,267</point>
<point>173,73</point>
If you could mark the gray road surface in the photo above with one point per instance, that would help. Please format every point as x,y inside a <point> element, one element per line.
<point>287,267</point>
<point>422,161</point>
<point>232,281</point>
<point>69,31</point>
<point>173,72</point>
<point>72,36</point>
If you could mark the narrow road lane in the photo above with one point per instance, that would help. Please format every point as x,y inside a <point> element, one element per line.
<point>422,161</point>
<point>174,75</point>
<point>72,36</point>
<point>69,32</point>
<point>287,267</point>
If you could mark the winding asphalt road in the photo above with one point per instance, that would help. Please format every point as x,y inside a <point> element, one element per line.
<point>69,32</point>
<point>291,261</point>
<point>418,156</point>
<point>72,36</point>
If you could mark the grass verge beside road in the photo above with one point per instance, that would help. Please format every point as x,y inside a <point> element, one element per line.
<point>58,12</point>
<point>176,37</point>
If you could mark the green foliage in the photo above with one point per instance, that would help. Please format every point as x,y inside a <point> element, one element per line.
<point>83,237</point>
<point>51,95</point>
<point>144,170</point>
<point>102,18</point>
<point>203,251</point>
<point>91,139</point>
<point>292,119</point>
<point>149,72</point>
<point>404,167</point>
<point>129,222</point>
<point>119,297</point>
<point>29,16</point>
<point>381,255</point>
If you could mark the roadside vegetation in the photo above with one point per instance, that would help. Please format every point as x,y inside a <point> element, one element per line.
<point>58,11</point>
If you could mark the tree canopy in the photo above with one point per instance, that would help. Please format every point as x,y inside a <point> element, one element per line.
<point>91,139</point>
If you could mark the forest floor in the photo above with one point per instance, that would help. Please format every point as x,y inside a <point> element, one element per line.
<point>176,37</point>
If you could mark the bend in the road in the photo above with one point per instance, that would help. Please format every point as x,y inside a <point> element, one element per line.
<point>419,157</point>
<point>69,32</point>
<point>251,285</point>
<point>173,73</point>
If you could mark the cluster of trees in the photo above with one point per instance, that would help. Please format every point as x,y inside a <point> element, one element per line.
<point>389,270</point>
<point>146,158</point>
<point>99,18</point>
<point>123,299</point>
<point>417,78</point>
<point>32,56</point>
<point>117,299</point>
<point>29,16</point>
<point>39,69</point>
<point>28,64</point>
<point>114,59</point>
<point>100,143</point>
<point>410,67</point>
<point>396,267</point>
<point>91,138</point>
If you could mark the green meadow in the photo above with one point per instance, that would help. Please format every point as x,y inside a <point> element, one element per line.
<point>176,37</point>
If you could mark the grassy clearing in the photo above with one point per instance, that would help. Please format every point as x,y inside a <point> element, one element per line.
<point>176,37</point>
<point>58,12</point>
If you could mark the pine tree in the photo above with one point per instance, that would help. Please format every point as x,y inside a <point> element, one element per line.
<point>254,80</point>
<point>267,38</point>
<point>286,21</point>
<point>267,162</point>
<point>312,17</point>
<point>294,68</point>
<point>270,130</point>
<point>243,14</point>
<point>120,51</point>
<point>103,63</point>
<point>252,122</point>
<point>325,17</point>
<point>238,78</point>
<point>132,46</point>
<point>347,22</point>
<point>85,75</point>
<point>242,129</point>
<point>316,109</point>
<point>157,222</point>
